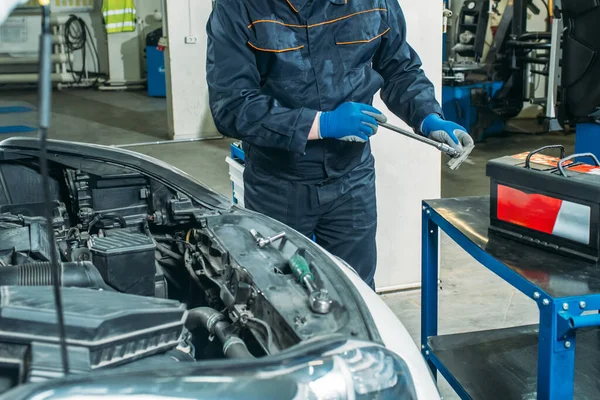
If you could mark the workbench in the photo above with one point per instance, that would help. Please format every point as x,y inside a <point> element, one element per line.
<point>559,358</point>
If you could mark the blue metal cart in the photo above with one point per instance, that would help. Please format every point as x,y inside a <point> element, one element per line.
<point>557,359</point>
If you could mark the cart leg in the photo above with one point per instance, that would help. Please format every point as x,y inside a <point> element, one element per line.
<point>429,281</point>
<point>556,357</point>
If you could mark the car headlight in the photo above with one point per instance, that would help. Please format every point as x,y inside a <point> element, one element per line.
<point>355,371</point>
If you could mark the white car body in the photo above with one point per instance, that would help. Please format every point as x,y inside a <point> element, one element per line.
<point>395,336</point>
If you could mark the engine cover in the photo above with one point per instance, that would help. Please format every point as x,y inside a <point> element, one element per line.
<point>126,261</point>
<point>103,329</point>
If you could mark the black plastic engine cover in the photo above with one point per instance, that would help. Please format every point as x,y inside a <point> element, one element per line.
<point>103,328</point>
<point>580,91</point>
<point>126,261</point>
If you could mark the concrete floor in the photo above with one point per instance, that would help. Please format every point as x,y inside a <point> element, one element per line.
<point>471,298</point>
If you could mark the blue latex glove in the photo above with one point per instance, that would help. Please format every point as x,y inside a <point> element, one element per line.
<point>440,130</point>
<point>351,122</point>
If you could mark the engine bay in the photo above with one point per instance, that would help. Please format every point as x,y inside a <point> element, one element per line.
<point>150,275</point>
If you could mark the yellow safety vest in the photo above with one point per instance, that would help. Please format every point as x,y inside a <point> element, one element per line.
<point>119,15</point>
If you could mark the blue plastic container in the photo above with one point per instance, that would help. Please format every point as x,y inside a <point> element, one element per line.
<point>155,65</point>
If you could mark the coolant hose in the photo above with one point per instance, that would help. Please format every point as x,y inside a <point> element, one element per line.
<point>214,322</point>
<point>165,250</point>
<point>74,274</point>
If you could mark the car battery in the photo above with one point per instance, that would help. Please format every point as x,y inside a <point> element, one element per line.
<point>125,261</point>
<point>546,201</point>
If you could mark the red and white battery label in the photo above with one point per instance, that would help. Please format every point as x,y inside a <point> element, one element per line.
<point>541,159</point>
<point>545,214</point>
<point>586,169</point>
<point>549,161</point>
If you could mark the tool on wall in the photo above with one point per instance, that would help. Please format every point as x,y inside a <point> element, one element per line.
<point>457,158</point>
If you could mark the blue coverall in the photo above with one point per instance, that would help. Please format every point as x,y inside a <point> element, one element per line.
<point>271,66</point>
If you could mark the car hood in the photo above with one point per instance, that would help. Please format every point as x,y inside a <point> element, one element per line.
<point>155,168</point>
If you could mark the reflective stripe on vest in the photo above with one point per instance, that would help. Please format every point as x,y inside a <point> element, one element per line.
<point>119,15</point>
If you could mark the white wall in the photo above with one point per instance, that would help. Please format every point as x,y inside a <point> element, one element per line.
<point>185,66</point>
<point>407,171</point>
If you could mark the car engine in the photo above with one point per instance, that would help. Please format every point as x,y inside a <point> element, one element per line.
<point>150,275</point>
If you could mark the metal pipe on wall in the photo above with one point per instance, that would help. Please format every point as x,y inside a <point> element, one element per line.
<point>33,78</point>
<point>59,19</point>
<point>56,59</point>
<point>60,60</point>
<point>58,39</point>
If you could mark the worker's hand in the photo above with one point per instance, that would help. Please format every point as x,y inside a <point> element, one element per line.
<point>440,130</point>
<point>352,122</point>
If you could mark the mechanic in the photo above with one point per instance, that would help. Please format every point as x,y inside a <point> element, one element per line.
<point>295,80</point>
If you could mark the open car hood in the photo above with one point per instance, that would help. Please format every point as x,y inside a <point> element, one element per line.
<point>157,169</point>
<point>156,269</point>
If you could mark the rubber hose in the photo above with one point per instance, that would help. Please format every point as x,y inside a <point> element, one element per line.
<point>214,322</point>
<point>73,274</point>
<point>169,262</point>
<point>100,217</point>
<point>165,250</point>
<point>233,345</point>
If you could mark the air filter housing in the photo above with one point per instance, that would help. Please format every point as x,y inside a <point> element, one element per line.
<point>103,328</point>
<point>125,261</point>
